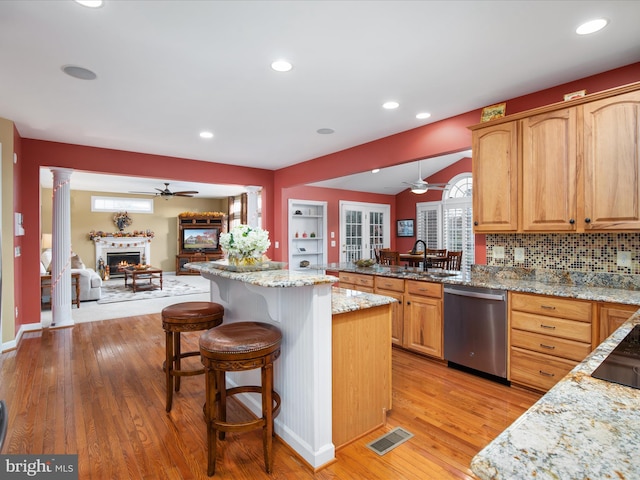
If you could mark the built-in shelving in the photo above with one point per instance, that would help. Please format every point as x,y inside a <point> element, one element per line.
<point>307,233</point>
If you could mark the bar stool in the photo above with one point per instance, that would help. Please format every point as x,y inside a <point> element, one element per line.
<point>185,317</point>
<point>235,347</point>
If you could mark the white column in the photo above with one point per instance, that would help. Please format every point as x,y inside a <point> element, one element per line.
<point>61,251</point>
<point>253,193</point>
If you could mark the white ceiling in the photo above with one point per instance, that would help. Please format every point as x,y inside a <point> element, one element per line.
<point>168,69</point>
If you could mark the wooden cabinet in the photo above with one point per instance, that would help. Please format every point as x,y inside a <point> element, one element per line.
<point>357,281</point>
<point>182,260</point>
<point>611,316</point>
<point>198,239</point>
<point>549,171</point>
<point>495,174</point>
<point>612,163</point>
<point>549,336</point>
<point>394,288</point>
<point>570,167</point>
<point>423,317</point>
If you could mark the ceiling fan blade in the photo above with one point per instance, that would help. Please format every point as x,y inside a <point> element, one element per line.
<point>186,192</point>
<point>182,195</point>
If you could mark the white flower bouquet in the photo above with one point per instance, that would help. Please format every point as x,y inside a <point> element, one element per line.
<point>245,244</point>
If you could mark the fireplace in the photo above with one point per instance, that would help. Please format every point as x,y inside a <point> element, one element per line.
<point>118,260</point>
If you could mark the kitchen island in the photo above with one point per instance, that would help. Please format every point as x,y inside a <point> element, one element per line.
<point>582,428</point>
<point>307,308</point>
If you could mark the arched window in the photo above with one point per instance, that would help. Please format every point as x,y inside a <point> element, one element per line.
<point>449,223</point>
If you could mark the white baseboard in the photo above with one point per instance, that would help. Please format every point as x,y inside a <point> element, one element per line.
<point>13,344</point>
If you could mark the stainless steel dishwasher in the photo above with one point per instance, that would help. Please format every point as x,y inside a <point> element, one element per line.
<point>475,328</point>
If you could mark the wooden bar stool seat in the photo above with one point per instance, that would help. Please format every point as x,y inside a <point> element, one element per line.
<point>181,318</point>
<point>235,347</point>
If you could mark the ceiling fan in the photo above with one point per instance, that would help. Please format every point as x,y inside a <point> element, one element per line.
<point>420,186</point>
<point>167,194</point>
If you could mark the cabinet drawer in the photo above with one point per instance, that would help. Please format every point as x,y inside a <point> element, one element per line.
<point>426,289</point>
<point>393,284</point>
<point>538,370</point>
<point>357,279</point>
<point>558,347</point>
<point>552,306</point>
<point>557,327</point>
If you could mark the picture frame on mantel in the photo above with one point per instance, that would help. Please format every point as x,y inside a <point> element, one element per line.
<point>493,111</point>
<point>405,228</point>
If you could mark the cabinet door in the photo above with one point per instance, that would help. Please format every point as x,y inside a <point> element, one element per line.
<point>423,325</point>
<point>397,315</point>
<point>495,178</point>
<point>612,163</point>
<point>549,184</point>
<point>611,316</point>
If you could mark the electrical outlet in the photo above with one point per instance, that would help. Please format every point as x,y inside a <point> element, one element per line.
<point>498,253</point>
<point>624,259</point>
<point>277,244</point>
<point>333,243</point>
<point>518,254</point>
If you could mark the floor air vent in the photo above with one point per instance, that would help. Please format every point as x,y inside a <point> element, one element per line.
<point>390,440</point>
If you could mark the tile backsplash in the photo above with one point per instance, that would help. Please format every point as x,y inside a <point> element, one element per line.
<point>584,252</point>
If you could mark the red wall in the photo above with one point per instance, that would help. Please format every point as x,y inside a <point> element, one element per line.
<point>446,136</point>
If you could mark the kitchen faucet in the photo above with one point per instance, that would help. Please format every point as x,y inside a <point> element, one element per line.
<point>424,251</point>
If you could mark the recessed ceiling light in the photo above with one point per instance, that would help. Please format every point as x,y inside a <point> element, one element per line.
<point>206,135</point>
<point>375,170</point>
<point>390,105</point>
<point>423,115</point>
<point>591,26</point>
<point>281,66</point>
<point>325,131</point>
<point>90,3</point>
<point>79,72</point>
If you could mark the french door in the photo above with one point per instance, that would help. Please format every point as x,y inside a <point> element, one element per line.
<point>364,227</point>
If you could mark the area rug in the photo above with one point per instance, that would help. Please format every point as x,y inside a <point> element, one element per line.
<point>114,291</point>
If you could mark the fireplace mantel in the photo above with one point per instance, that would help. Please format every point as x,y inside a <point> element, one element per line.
<point>123,244</point>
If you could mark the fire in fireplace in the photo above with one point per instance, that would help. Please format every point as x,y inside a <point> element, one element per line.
<point>118,260</point>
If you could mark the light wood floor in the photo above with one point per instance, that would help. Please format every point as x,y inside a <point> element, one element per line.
<point>97,390</point>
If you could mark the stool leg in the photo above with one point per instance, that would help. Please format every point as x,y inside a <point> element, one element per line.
<point>221,414</point>
<point>168,368</point>
<point>267,414</point>
<point>210,388</point>
<point>177,353</point>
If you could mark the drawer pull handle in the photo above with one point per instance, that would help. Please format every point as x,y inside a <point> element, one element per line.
<point>550,347</point>
<point>548,307</point>
<point>551,327</point>
<point>546,374</point>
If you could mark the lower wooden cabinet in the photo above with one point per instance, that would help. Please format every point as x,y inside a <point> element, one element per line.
<point>549,336</point>
<point>423,318</point>
<point>182,260</point>
<point>356,281</point>
<point>611,316</point>
<point>394,288</point>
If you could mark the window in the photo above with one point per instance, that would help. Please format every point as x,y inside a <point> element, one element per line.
<point>121,204</point>
<point>448,224</point>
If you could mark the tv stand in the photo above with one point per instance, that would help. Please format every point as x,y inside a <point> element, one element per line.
<point>189,220</point>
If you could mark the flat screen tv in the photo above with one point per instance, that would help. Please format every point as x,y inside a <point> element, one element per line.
<point>203,239</point>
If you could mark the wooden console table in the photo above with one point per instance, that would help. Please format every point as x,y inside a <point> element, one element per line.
<point>136,275</point>
<point>45,283</point>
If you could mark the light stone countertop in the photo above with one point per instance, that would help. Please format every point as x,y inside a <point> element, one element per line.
<point>583,428</point>
<point>344,300</point>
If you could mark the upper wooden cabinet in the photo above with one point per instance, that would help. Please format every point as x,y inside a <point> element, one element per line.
<point>612,163</point>
<point>577,166</point>
<point>495,175</point>
<point>549,187</point>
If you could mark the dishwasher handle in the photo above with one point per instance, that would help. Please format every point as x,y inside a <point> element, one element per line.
<point>482,295</point>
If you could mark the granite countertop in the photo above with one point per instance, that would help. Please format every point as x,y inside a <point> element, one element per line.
<point>600,287</point>
<point>344,300</point>
<point>266,278</point>
<point>582,428</point>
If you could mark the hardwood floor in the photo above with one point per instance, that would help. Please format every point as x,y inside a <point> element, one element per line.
<point>97,390</point>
